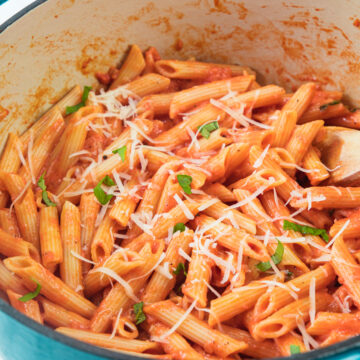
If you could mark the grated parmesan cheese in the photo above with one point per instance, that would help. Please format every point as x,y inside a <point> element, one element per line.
<point>307,338</point>
<point>312,294</point>
<point>116,324</point>
<point>20,195</point>
<point>238,115</point>
<point>183,207</point>
<point>338,233</point>
<point>184,255</point>
<point>128,289</point>
<point>209,203</point>
<point>249,198</point>
<point>180,321</point>
<point>161,258</point>
<point>73,253</point>
<point>261,158</point>
<point>164,270</point>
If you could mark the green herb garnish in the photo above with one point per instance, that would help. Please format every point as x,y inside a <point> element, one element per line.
<point>207,129</point>
<point>179,227</point>
<point>185,182</point>
<point>100,194</point>
<point>121,151</point>
<point>325,106</point>
<point>33,294</point>
<point>276,258</point>
<point>179,268</point>
<point>45,196</point>
<point>306,230</point>
<point>139,313</point>
<point>294,349</point>
<point>85,95</point>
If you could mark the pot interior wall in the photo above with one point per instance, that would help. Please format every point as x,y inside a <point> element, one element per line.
<point>63,42</point>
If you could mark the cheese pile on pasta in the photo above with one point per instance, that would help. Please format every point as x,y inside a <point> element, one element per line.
<point>182,211</point>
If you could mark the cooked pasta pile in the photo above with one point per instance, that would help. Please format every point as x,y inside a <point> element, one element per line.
<point>182,211</point>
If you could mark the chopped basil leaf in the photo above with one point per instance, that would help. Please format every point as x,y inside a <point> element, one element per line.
<point>306,230</point>
<point>74,108</point>
<point>121,151</point>
<point>294,349</point>
<point>179,268</point>
<point>207,129</point>
<point>353,110</point>
<point>276,258</point>
<point>45,197</point>
<point>108,181</point>
<point>41,182</point>
<point>100,194</point>
<point>325,106</point>
<point>179,227</point>
<point>185,182</point>
<point>139,313</point>
<point>85,94</point>
<point>33,294</point>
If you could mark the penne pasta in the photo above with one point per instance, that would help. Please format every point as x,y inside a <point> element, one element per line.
<point>232,238</point>
<point>9,162</point>
<point>269,303</point>
<point>317,170</point>
<point>23,201</point>
<point>9,281</point>
<point>325,321</point>
<point>8,222</point>
<point>324,197</point>
<point>50,239</point>
<point>57,316</point>
<point>286,319</point>
<point>286,342</point>
<point>119,296</point>
<point>194,69</point>
<point>70,267</point>
<point>158,103</point>
<point>38,151</point>
<point>162,282</point>
<point>103,240</point>
<point>133,65</point>
<point>301,99</point>
<point>120,262</point>
<point>195,330</point>
<point>180,210</point>
<point>29,308</point>
<point>352,228</point>
<point>186,99</point>
<point>255,349</point>
<point>302,138</point>
<point>346,268</point>
<point>15,246</point>
<point>103,340</point>
<point>199,274</point>
<point>236,302</point>
<point>174,343</point>
<point>89,209</point>
<point>51,286</point>
<point>283,127</point>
